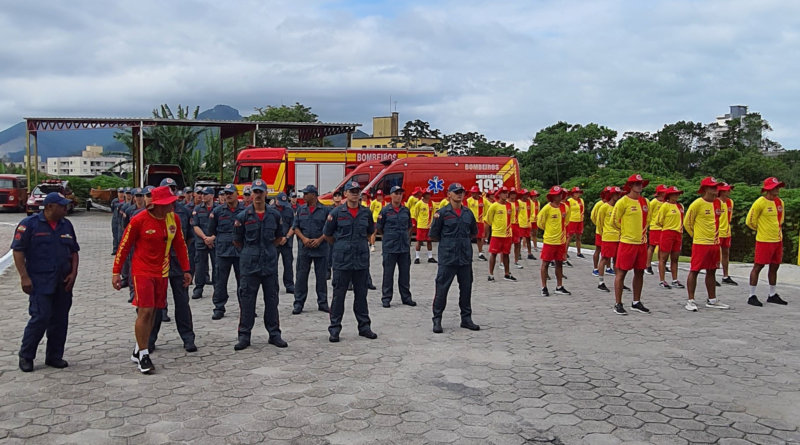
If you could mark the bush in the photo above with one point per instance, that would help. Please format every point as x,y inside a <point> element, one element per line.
<point>80,187</point>
<point>107,182</point>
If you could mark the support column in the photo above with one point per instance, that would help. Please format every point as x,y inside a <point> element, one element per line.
<point>349,139</point>
<point>235,150</point>
<point>28,155</point>
<point>36,156</point>
<point>141,154</point>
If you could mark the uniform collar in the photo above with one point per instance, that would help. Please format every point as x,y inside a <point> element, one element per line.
<point>41,217</point>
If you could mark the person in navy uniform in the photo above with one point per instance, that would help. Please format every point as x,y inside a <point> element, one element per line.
<point>46,256</point>
<point>454,226</point>
<point>395,226</point>
<point>258,230</point>
<point>308,225</point>
<point>284,207</point>
<point>204,242</point>
<point>221,227</point>
<point>337,201</point>
<point>348,228</point>
<point>115,204</point>
<point>122,218</point>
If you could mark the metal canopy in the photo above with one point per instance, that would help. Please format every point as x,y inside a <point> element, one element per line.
<point>306,131</point>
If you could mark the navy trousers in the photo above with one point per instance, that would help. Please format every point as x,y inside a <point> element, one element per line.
<point>221,282</point>
<point>444,278</point>
<point>248,294</point>
<point>287,258</point>
<point>343,279</point>
<point>403,263</point>
<point>49,316</point>
<point>183,313</point>
<point>202,257</point>
<point>301,286</point>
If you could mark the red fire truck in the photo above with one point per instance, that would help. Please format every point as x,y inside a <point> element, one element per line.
<point>287,169</point>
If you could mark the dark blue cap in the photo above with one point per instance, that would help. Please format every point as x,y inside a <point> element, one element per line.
<point>454,187</point>
<point>259,184</point>
<point>56,198</point>
<point>121,189</point>
<point>128,190</point>
<point>187,190</point>
<point>282,200</point>
<point>352,185</point>
<point>208,191</point>
<point>310,189</point>
<point>246,191</point>
<point>169,182</point>
<point>137,191</point>
<point>148,189</point>
<point>397,188</point>
<point>221,192</point>
<point>230,188</point>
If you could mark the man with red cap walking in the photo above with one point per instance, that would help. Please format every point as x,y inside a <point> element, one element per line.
<point>670,219</point>
<point>655,229</point>
<point>631,217</point>
<point>766,217</point>
<point>576,218</point>
<point>151,234</point>
<point>477,206</point>
<point>499,217</point>
<point>553,219</point>
<point>725,231</point>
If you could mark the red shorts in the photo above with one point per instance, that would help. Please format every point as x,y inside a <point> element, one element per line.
<point>553,252</point>
<point>704,257</point>
<point>534,228</point>
<point>725,243</point>
<point>670,241</point>
<point>524,232</point>
<point>149,292</point>
<point>598,240</point>
<point>480,231</point>
<point>422,235</point>
<point>769,253</point>
<point>515,233</point>
<point>500,245</point>
<point>575,228</point>
<point>609,249</point>
<point>632,257</point>
<point>655,237</point>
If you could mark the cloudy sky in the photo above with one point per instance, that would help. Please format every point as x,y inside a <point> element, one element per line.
<point>505,68</point>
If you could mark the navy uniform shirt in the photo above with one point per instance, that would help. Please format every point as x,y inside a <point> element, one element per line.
<point>311,225</point>
<point>115,211</point>
<point>350,247</point>
<point>201,218</point>
<point>455,235</point>
<point>287,215</point>
<point>221,225</point>
<point>48,252</point>
<point>395,224</point>
<point>175,269</point>
<point>259,255</point>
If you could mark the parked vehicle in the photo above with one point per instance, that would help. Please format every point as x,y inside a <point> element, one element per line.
<point>155,173</point>
<point>362,174</point>
<point>13,192</point>
<point>100,199</point>
<point>36,200</point>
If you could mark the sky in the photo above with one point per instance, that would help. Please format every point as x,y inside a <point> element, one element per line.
<point>505,68</point>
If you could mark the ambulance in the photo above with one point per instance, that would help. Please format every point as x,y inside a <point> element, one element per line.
<point>288,169</point>
<point>436,174</point>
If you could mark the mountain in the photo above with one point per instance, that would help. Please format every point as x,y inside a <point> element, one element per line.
<point>340,140</point>
<point>221,113</point>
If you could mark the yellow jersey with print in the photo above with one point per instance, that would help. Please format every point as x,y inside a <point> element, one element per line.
<point>442,203</point>
<point>725,218</point>
<point>631,217</point>
<point>598,227</point>
<point>412,201</point>
<point>702,221</point>
<point>670,217</point>
<point>553,220</point>
<point>423,214</point>
<point>499,218</point>
<point>610,233</point>
<point>766,218</point>
<point>534,205</point>
<point>514,212</point>
<point>376,206</point>
<point>655,204</point>
<point>477,207</point>
<point>576,210</point>
<point>523,214</point>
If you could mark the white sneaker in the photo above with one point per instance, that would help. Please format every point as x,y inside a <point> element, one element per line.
<point>716,304</point>
<point>691,306</point>
<point>372,249</point>
<point>517,266</point>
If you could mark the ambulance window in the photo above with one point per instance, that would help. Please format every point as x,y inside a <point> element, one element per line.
<point>248,173</point>
<point>388,181</point>
<point>362,179</point>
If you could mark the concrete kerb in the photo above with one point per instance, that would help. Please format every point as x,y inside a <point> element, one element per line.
<point>6,261</point>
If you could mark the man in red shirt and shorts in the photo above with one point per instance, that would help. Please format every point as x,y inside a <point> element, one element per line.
<point>151,234</point>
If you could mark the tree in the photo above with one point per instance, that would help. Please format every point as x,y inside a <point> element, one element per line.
<point>283,138</point>
<point>690,142</point>
<point>474,144</point>
<point>642,153</point>
<point>413,131</point>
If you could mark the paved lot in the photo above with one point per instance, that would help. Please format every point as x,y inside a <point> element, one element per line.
<point>556,370</point>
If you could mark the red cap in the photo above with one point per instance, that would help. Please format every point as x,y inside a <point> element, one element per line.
<point>636,178</point>
<point>512,190</point>
<point>672,191</point>
<point>613,189</point>
<point>474,189</point>
<point>556,190</point>
<point>379,192</point>
<point>724,187</point>
<point>534,193</point>
<point>523,192</point>
<point>162,196</point>
<point>661,188</point>
<point>708,182</point>
<point>576,189</point>
<point>771,183</point>
<point>606,190</point>
<point>500,190</point>
<point>416,190</point>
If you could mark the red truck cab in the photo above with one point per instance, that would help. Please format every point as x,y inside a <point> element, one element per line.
<point>13,192</point>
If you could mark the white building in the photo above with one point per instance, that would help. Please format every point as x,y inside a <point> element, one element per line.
<point>90,163</point>
<point>720,126</point>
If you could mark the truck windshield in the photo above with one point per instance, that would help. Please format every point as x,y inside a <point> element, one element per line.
<point>248,173</point>
<point>6,183</point>
<point>386,182</point>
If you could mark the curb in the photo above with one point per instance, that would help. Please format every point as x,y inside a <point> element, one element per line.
<point>6,261</point>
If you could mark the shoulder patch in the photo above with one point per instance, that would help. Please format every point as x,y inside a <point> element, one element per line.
<point>194,212</point>
<point>330,217</point>
<point>211,215</point>
<point>236,223</point>
<point>21,228</point>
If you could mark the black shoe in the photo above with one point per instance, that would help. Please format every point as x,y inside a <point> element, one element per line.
<point>197,296</point>
<point>277,341</point>
<point>619,309</point>
<point>290,291</point>
<point>470,325</point>
<point>241,344</point>
<point>416,261</point>
<point>491,279</point>
<point>603,287</point>
<point>482,257</point>
<point>57,363</point>
<point>753,301</point>
<point>626,288</point>
<point>334,338</point>
<point>190,347</point>
<point>432,260</point>
<point>387,305</point>
<point>729,281</point>
<point>649,271</point>
<point>776,299</point>
<point>145,364</point>
<point>325,309</point>
<point>296,311</point>
<point>135,356</point>
<point>667,269</point>
<point>25,365</point>
<point>410,303</point>
<point>510,277</point>
<point>368,334</point>
<point>437,327</point>
<point>567,263</point>
<point>350,287</point>
<point>718,284</point>
<point>531,257</point>
<point>639,306</point>
<point>130,299</point>
<point>217,316</point>
<point>580,255</point>
<point>562,291</point>
<point>165,317</point>
<point>371,287</point>
<point>545,292</point>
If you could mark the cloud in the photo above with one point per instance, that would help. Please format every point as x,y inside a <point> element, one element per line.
<point>504,68</point>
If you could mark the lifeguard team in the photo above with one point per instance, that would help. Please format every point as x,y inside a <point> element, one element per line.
<point>163,237</point>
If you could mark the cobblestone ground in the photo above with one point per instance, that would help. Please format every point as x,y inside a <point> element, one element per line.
<point>558,370</point>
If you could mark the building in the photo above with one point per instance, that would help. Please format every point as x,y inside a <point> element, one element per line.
<point>24,163</point>
<point>720,126</point>
<point>90,163</point>
<point>386,133</point>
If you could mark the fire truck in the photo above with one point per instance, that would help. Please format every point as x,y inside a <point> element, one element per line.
<point>289,169</point>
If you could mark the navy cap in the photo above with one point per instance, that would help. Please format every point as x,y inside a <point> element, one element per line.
<point>137,191</point>
<point>396,189</point>
<point>121,190</point>
<point>352,185</point>
<point>56,198</point>
<point>246,191</point>
<point>259,184</point>
<point>454,187</point>
<point>187,190</point>
<point>179,193</point>
<point>230,188</point>
<point>310,189</point>
<point>148,189</point>
<point>198,189</point>
<point>168,182</point>
<point>128,190</point>
<point>208,191</point>
<point>282,200</point>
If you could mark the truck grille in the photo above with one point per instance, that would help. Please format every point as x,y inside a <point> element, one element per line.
<point>3,197</point>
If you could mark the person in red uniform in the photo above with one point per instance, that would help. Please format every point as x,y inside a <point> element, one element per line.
<point>151,234</point>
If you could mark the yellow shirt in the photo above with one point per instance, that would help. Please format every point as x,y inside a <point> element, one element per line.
<point>412,201</point>
<point>523,216</point>
<point>478,208</point>
<point>376,206</point>
<point>593,216</point>
<point>576,210</point>
<point>534,211</point>
<point>766,218</point>
<point>514,212</point>
<point>442,203</point>
<point>499,217</point>
<point>702,221</point>
<point>631,218</point>
<point>610,233</point>
<point>670,217</point>
<point>423,214</point>
<point>655,204</point>
<point>553,220</point>
<point>725,218</point>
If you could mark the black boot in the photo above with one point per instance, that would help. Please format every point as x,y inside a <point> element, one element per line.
<point>25,365</point>
<point>468,324</point>
<point>437,326</point>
